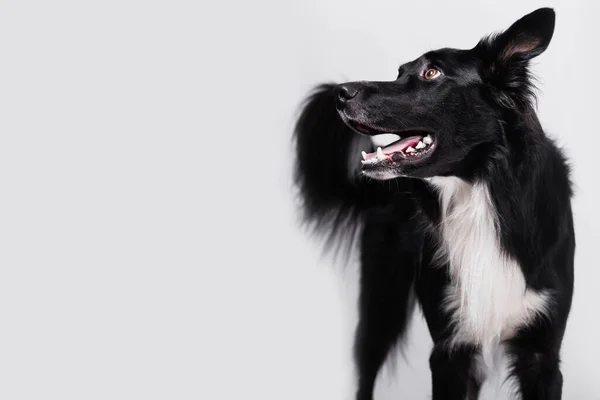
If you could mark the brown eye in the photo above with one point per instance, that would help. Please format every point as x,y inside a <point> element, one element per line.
<point>431,73</point>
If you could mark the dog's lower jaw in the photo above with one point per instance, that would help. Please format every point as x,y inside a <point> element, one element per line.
<point>381,175</point>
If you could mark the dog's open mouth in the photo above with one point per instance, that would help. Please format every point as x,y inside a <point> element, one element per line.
<point>398,147</point>
<point>409,148</point>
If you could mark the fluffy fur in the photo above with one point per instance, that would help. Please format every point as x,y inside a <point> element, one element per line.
<point>475,225</point>
<point>488,298</point>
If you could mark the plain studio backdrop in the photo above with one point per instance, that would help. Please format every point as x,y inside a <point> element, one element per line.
<point>149,241</point>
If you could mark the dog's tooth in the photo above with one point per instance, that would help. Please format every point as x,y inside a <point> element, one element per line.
<point>410,149</point>
<point>427,139</point>
<point>421,145</point>
<point>380,153</point>
<point>364,155</point>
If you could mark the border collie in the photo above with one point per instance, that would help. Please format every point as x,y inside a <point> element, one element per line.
<point>467,213</point>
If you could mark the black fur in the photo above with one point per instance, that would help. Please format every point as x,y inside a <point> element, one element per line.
<point>480,109</point>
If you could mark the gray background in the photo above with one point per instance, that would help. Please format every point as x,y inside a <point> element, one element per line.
<point>149,243</point>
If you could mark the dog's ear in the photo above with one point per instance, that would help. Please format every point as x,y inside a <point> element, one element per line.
<point>506,55</point>
<point>526,38</point>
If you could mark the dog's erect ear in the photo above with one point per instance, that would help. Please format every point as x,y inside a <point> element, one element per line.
<point>506,56</point>
<point>526,38</point>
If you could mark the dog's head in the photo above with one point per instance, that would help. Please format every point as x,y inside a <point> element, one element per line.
<point>447,105</point>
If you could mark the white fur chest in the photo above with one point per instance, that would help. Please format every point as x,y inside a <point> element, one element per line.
<point>488,298</point>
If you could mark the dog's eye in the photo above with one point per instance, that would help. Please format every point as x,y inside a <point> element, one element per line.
<point>431,73</point>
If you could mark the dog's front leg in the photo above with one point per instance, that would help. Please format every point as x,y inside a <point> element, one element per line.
<point>535,360</point>
<point>452,373</point>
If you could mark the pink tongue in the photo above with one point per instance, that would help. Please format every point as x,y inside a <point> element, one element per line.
<point>402,145</point>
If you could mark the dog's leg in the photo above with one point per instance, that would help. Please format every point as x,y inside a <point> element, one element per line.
<point>457,372</point>
<point>534,355</point>
<point>390,255</point>
<point>535,366</point>
<point>452,373</point>
<point>538,375</point>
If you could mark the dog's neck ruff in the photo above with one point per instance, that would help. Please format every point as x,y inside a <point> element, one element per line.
<point>488,298</point>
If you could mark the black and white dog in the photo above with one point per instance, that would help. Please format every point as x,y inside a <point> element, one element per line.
<point>466,213</point>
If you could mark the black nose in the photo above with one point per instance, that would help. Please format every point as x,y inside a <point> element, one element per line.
<point>345,92</point>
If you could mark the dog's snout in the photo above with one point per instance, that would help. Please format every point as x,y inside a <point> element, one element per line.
<point>345,92</point>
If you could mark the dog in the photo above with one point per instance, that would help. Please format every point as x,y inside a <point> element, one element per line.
<point>467,213</point>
